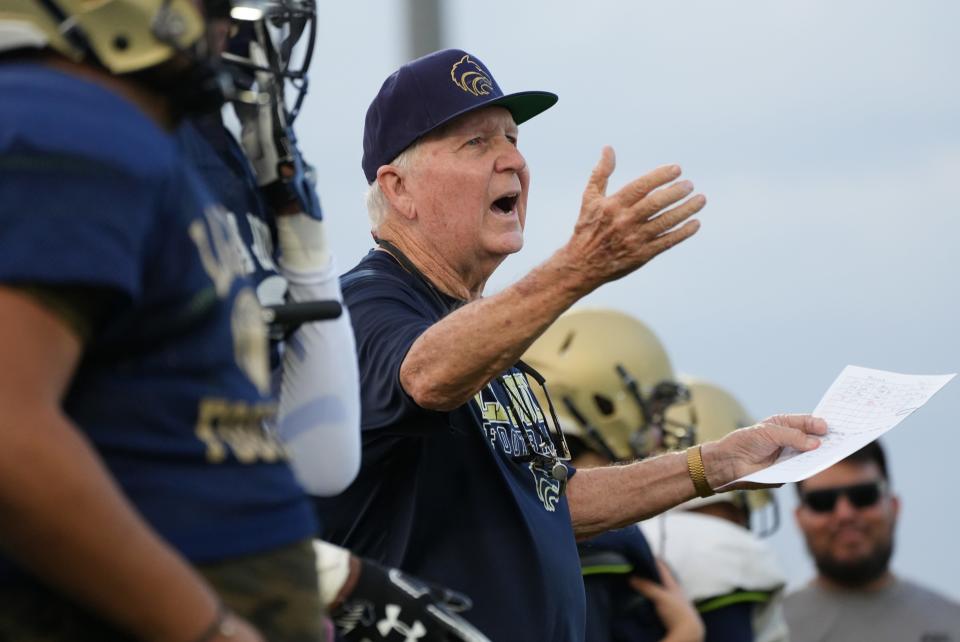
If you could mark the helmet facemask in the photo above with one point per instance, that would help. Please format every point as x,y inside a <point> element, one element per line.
<point>271,50</point>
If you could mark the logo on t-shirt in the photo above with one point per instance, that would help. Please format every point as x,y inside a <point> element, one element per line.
<point>514,424</point>
<point>548,488</point>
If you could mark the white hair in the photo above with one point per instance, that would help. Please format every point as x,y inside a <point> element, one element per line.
<point>376,201</point>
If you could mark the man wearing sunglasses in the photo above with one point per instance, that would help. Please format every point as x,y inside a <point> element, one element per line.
<point>848,514</point>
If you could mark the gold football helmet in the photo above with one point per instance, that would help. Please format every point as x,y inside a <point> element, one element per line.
<point>123,36</point>
<point>611,381</point>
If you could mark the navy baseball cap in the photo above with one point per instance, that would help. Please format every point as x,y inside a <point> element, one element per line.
<point>430,91</point>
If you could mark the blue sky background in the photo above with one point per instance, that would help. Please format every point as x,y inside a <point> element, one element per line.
<point>826,138</point>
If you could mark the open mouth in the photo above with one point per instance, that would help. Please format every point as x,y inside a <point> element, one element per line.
<point>505,204</point>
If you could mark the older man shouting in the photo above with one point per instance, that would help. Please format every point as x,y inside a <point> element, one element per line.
<point>463,479</point>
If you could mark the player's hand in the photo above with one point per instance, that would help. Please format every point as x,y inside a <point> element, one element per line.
<point>676,612</point>
<point>748,450</point>
<point>387,604</point>
<point>617,234</point>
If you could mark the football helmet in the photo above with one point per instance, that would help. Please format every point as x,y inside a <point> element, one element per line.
<point>270,52</point>
<point>712,412</point>
<point>160,44</point>
<point>122,36</point>
<point>611,382</point>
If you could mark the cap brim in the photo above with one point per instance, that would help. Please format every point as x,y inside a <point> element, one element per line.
<point>525,105</point>
<point>522,105</point>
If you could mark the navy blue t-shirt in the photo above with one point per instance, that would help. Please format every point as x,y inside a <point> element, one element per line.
<point>173,384</point>
<point>440,494</point>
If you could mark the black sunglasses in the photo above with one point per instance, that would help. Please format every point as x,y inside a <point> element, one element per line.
<point>860,495</point>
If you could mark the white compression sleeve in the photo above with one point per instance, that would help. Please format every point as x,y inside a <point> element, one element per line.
<point>319,416</point>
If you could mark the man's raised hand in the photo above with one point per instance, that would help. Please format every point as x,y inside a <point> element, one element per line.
<point>619,233</point>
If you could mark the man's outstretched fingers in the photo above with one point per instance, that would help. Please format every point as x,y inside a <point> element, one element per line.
<point>597,185</point>
<point>667,240</point>
<point>674,216</point>
<point>658,199</point>
<point>636,189</point>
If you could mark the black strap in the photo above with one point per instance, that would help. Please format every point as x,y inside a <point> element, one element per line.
<point>425,283</point>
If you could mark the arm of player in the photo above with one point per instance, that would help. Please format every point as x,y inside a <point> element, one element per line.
<point>614,496</point>
<point>319,417</point>
<point>614,236</point>
<point>63,518</point>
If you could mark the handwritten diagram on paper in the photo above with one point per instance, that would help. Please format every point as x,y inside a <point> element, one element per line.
<point>861,405</point>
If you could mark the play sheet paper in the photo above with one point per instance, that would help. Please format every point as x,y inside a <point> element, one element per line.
<point>861,405</point>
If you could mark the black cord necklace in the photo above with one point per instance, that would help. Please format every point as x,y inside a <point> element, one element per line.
<point>422,279</point>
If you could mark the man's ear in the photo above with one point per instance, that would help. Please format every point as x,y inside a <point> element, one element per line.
<point>394,184</point>
<point>895,506</point>
<point>797,517</point>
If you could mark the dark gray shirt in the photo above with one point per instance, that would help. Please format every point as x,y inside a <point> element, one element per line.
<point>901,612</point>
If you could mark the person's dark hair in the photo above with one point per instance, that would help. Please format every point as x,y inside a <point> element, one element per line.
<point>577,446</point>
<point>872,452</point>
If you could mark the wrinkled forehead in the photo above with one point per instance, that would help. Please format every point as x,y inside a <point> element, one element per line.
<point>487,119</point>
<point>844,473</point>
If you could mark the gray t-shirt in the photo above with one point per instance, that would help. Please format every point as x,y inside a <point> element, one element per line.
<point>901,612</point>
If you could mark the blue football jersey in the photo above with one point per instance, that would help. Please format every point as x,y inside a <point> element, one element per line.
<point>225,171</point>
<point>173,386</point>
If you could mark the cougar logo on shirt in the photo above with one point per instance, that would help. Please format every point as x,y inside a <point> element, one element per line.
<point>548,488</point>
<point>471,77</point>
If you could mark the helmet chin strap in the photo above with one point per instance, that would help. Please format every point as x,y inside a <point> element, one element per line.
<point>67,26</point>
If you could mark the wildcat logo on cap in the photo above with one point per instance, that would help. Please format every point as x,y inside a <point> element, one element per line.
<point>471,77</point>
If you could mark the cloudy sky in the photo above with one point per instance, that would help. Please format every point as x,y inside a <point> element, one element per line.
<point>826,136</point>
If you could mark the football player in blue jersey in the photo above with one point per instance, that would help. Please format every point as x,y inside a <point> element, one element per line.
<point>140,496</point>
<point>271,201</point>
